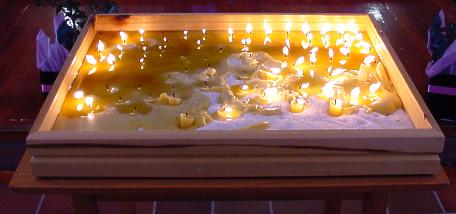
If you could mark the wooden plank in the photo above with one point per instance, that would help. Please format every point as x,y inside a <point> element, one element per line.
<point>218,21</point>
<point>235,188</point>
<point>405,140</point>
<point>204,166</point>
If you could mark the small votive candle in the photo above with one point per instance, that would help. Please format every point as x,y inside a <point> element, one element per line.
<point>297,105</point>
<point>335,107</point>
<point>186,120</point>
<point>225,113</point>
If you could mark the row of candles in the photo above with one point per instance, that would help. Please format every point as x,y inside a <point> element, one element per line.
<point>336,101</point>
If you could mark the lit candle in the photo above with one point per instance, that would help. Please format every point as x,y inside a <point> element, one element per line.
<point>365,68</point>
<point>230,35</point>
<point>100,47</point>
<point>340,29</point>
<point>305,28</point>
<point>91,60</point>
<point>324,30</point>
<point>269,95</point>
<point>164,99</point>
<point>204,34</point>
<point>186,120</point>
<point>299,61</point>
<point>335,107</point>
<point>331,54</point>
<point>374,88</point>
<point>110,59</point>
<point>141,32</point>
<point>268,31</point>
<point>248,29</point>
<point>288,28</point>
<point>89,101</point>
<point>297,105</point>
<point>123,37</point>
<point>241,90</point>
<point>226,113</point>
<point>185,34</point>
<point>354,96</point>
<point>285,51</point>
<point>78,94</point>
<point>313,58</point>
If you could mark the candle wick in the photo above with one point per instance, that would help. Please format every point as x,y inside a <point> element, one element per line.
<point>205,82</point>
<point>174,94</point>
<point>186,114</point>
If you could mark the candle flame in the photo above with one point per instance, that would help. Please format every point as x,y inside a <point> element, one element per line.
<point>374,87</point>
<point>314,50</point>
<point>100,46</point>
<point>338,103</point>
<point>343,62</point>
<point>120,47</point>
<point>230,31</point>
<point>285,51</point>
<point>276,70</point>
<point>248,28</point>
<point>244,87</point>
<point>299,72</point>
<point>270,92</point>
<point>111,68</point>
<point>305,44</point>
<point>305,28</point>
<point>309,37</point>
<point>288,26</point>
<point>91,60</point>
<point>111,59</point>
<point>92,71</point>
<point>79,107</point>
<point>369,59</point>
<point>300,101</point>
<point>324,30</point>
<point>305,85</point>
<point>313,57</point>
<point>204,31</point>
<point>88,101</point>
<point>299,61</point>
<point>331,54</point>
<point>355,92</point>
<point>185,32</point>
<point>227,109</point>
<point>287,43</point>
<point>267,28</point>
<point>78,94</point>
<point>123,36</point>
<point>338,71</point>
<point>312,73</point>
<point>345,51</point>
<point>341,29</point>
<point>141,31</point>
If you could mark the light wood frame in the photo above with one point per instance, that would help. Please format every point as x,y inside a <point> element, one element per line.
<point>425,139</point>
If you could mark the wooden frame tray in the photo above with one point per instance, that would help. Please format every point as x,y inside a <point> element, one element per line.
<point>233,153</point>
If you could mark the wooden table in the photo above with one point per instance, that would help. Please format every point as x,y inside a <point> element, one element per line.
<point>86,192</point>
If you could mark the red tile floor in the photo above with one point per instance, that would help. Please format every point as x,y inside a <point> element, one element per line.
<point>432,202</point>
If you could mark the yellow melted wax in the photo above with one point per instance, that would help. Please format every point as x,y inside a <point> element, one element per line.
<point>132,91</point>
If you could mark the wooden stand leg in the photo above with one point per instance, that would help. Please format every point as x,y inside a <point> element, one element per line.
<point>333,206</point>
<point>375,203</point>
<point>86,204</point>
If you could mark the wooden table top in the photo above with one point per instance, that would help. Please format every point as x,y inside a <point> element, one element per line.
<point>404,23</point>
<point>224,189</point>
